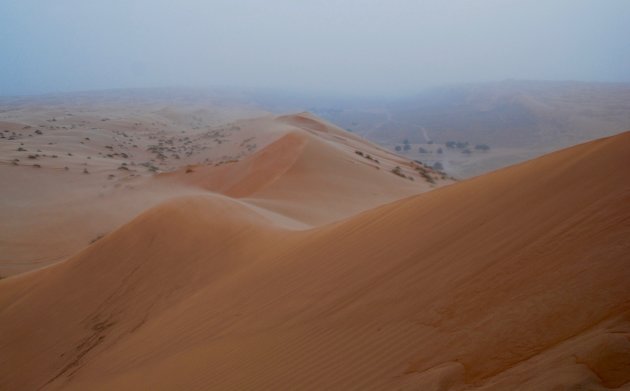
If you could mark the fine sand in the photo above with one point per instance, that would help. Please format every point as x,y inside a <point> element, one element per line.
<point>305,265</point>
<point>71,183</point>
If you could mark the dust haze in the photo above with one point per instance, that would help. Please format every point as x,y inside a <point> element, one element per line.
<point>365,48</point>
<point>314,195</point>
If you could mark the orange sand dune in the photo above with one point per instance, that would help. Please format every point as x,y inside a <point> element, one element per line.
<point>92,176</point>
<point>310,177</point>
<point>513,280</point>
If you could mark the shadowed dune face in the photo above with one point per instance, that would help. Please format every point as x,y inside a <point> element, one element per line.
<point>513,280</point>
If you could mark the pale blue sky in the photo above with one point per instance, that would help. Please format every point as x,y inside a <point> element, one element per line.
<point>369,47</point>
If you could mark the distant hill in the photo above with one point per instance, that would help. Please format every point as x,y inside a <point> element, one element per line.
<point>517,119</point>
<point>506,114</point>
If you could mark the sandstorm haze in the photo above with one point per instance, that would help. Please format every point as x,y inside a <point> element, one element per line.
<point>352,47</point>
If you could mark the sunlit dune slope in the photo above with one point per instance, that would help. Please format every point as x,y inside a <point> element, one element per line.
<point>513,280</point>
<point>313,173</point>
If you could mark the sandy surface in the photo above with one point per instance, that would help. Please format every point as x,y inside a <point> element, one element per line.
<point>74,173</point>
<point>304,266</point>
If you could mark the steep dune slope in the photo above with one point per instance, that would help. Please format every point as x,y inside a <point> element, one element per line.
<point>314,173</point>
<point>513,280</point>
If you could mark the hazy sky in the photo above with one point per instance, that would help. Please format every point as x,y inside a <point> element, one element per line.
<point>342,46</point>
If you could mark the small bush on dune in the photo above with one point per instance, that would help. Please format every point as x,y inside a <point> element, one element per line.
<point>398,171</point>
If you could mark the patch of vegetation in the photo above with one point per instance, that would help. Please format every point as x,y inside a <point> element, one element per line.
<point>367,156</point>
<point>97,238</point>
<point>398,171</point>
<point>457,144</point>
<point>425,171</point>
<point>482,147</point>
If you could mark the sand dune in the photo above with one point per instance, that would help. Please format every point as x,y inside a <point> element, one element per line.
<point>86,174</point>
<point>513,280</point>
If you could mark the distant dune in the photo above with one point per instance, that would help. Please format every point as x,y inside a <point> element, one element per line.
<point>309,266</point>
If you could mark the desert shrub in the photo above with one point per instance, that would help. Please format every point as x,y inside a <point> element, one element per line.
<point>97,238</point>
<point>428,177</point>
<point>482,147</point>
<point>398,171</point>
<point>369,157</point>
